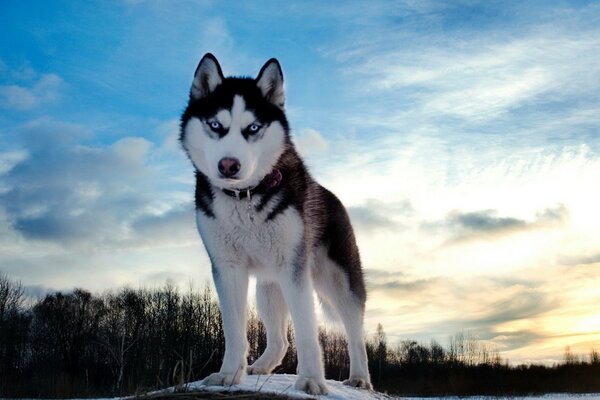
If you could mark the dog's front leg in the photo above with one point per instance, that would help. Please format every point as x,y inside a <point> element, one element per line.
<point>298,292</point>
<point>231,282</point>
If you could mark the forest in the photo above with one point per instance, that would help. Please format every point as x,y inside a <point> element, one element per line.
<point>130,341</point>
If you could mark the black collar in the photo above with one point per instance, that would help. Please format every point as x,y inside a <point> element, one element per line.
<point>271,180</point>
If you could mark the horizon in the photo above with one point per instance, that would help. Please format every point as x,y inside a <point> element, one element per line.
<point>464,140</point>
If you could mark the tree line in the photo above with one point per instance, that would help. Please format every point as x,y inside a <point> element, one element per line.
<point>131,341</point>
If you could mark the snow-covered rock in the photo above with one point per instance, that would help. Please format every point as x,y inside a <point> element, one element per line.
<point>284,384</point>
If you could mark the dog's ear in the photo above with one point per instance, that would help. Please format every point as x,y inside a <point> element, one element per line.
<point>270,82</point>
<point>207,77</point>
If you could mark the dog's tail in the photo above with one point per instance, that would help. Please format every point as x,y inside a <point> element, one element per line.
<point>332,318</point>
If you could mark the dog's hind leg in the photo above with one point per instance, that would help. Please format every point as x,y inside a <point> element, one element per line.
<point>273,311</point>
<point>352,313</point>
<point>333,288</point>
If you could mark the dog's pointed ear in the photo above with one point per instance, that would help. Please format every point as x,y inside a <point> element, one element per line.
<point>270,82</point>
<point>207,77</point>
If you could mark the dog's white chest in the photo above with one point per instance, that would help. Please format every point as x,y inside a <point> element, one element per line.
<point>240,235</point>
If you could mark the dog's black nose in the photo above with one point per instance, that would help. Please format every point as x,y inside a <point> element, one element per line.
<point>229,166</point>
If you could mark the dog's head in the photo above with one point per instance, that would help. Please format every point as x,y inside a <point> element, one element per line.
<point>234,129</point>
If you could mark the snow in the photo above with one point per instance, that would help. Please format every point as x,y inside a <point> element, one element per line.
<point>284,384</point>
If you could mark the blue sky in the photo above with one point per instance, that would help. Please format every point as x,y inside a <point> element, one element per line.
<point>464,138</point>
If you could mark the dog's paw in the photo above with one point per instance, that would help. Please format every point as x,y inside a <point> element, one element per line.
<point>258,370</point>
<point>311,385</point>
<point>222,379</point>
<point>359,383</point>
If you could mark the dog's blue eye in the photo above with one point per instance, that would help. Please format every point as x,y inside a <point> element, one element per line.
<point>254,128</point>
<point>215,125</point>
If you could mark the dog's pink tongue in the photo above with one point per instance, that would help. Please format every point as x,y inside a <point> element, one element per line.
<point>273,179</point>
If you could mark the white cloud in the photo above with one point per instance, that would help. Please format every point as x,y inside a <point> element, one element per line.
<point>80,209</point>
<point>78,195</point>
<point>48,87</point>
<point>9,159</point>
<point>132,149</point>
<point>168,131</point>
<point>475,78</point>
<point>310,141</point>
<point>16,97</point>
<point>45,90</point>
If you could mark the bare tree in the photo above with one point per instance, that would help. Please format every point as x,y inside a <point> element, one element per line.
<point>437,353</point>
<point>569,357</point>
<point>594,357</point>
<point>380,351</point>
<point>14,327</point>
<point>121,329</point>
<point>11,297</point>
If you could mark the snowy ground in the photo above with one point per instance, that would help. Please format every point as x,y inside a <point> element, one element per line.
<point>284,384</point>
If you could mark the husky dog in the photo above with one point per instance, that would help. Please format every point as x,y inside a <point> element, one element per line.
<point>259,212</point>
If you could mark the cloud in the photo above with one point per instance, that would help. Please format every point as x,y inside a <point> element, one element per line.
<point>579,260</point>
<point>16,97</point>
<point>501,311</point>
<point>174,227</point>
<point>169,132</point>
<point>35,292</point>
<point>46,90</point>
<point>310,141</point>
<point>69,193</point>
<point>504,318</point>
<point>514,340</point>
<point>11,158</point>
<point>486,224</point>
<point>214,31</point>
<point>485,221</point>
<point>492,77</point>
<point>375,215</point>
<point>47,135</point>
<point>132,150</point>
<point>159,278</point>
<point>75,206</point>
<point>402,285</point>
<point>482,80</point>
<point>518,303</point>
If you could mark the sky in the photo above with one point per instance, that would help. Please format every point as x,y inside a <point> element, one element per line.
<point>463,137</point>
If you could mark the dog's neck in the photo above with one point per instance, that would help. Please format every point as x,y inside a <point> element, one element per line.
<point>270,181</point>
